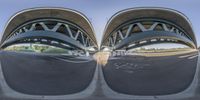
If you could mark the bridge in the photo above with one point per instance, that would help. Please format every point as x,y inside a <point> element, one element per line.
<point>149,72</point>
<point>161,74</point>
<point>134,28</point>
<point>55,27</point>
<point>61,28</point>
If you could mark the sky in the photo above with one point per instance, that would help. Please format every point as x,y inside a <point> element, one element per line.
<point>100,11</point>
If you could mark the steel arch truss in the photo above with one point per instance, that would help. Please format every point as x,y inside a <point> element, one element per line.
<point>52,32</point>
<point>144,32</point>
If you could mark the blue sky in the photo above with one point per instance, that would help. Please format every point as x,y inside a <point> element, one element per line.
<point>99,11</point>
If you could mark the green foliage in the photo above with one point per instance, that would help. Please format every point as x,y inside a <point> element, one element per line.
<point>40,48</point>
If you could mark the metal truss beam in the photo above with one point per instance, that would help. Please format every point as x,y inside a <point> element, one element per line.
<point>149,35</point>
<point>54,36</point>
<point>153,42</point>
<point>68,29</point>
<point>147,27</point>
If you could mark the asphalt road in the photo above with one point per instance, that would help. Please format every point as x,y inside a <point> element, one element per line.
<point>139,75</point>
<point>61,75</point>
<point>46,75</point>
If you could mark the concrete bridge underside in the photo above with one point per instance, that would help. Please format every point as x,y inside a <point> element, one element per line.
<point>138,27</point>
<point>55,26</point>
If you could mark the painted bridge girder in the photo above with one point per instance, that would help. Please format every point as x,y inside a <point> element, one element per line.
<point>53,38</point>
<point>151,37</point>
<point>146,29</point>
<point>55,29</point>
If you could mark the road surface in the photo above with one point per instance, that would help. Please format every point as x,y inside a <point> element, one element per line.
<point>46,75</point>
<point>140,75</point>
<point>39,74</point>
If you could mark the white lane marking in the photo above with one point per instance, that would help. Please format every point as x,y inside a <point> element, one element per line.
<point>193,57</point>
<point>186,56</point>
